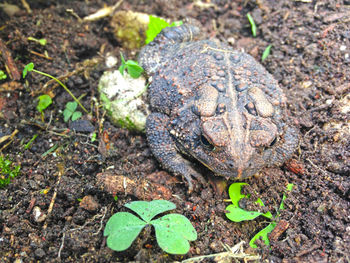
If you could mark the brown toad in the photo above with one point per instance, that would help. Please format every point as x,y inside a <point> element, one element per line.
<point>215,104</point>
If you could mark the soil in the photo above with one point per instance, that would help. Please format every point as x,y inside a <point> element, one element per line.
<point>56,209</point>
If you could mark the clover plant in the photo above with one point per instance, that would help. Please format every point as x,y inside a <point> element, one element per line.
<point>237,214</point>
<point>173,231</point>
<point>70,111</point>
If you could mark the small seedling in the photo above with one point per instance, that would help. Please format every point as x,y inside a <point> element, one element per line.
<point>29,144</point>
<point>7,171</point>
<point>93,137</point>
<point>43,102</point>
<point>30,67</point>
<point>173,231</point>
<point>70,113</point>
<point>252,24</point>
<point>2,75</point>
<point>237,214</point>
<point>133,68</point>
<point>156,25</point>
<point>266,52</point>
<point>41,41</point>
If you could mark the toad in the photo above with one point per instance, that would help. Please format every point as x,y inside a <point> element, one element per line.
<point>214,104</point>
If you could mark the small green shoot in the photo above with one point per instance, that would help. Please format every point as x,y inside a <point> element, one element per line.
<point>2,75</point>
<point>133,68</point>
<point>115,198</point>
<point>266,52</point>
<point>30,67</point>
<point>93,137</point>
<point>252,24</point>
<point>44,102</point>
<point>29,144</point>
<point>41,41</point>
<point>173,231</point>
<point>237,214</point>
<point>70,113</point>
<point>7,171</point>
<point>156,25</point>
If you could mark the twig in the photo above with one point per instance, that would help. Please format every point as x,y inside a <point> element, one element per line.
<point>40,55</point>
<point>9,63</point>
<point>60,172</point>
<point>234,252</point>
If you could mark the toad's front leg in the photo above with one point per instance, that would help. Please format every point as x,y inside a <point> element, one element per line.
<point>164,149</point>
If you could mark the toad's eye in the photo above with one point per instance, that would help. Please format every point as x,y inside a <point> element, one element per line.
<point>206,143</point>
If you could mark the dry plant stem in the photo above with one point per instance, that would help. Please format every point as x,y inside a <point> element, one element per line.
<point>60,172</point>
<point>26,6</point>
<point>64,86</point>
<point>234,252</point>
<point>10,137</point>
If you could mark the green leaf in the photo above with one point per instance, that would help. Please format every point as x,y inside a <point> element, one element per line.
<point>263,234</point>
<point>234,192</point>
<point>2,75</point>
<point>122,229</point>
<point>134,69</point>
<point>71,106</point>
<point>266,52</point>
<point>155,25</point>
<point>237,214</point>
<point>76,115</point>
<point>44,102</point>
<point>148,210</point>
<point>29,67</point>
<point>252,24</point>
<point>42,41</point>
<point>173,232</point>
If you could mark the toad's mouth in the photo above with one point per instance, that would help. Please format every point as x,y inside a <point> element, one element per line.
<point>234,172</point>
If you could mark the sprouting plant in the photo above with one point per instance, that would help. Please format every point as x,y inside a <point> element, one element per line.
<point>7,171</point>
<point>30,67</point>
<point>266,52</point>
<point>41,41</point>
<point>237,214</point>
<point>156,25</point>
<point>252,24</point>
<point>70,112</point>
<point>133,68</point>
<point>2,75</point>
<point>44,101</point>
<point>173,231</point>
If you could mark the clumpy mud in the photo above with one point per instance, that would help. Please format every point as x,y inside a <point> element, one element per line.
<point>56,209</point>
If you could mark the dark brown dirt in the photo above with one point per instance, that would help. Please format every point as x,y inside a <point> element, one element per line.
<point>79,178</point>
